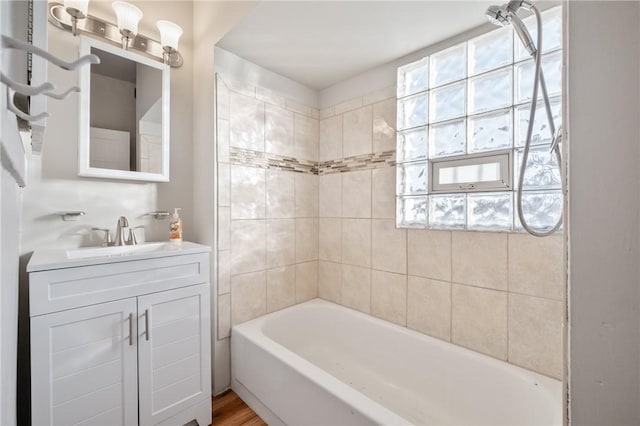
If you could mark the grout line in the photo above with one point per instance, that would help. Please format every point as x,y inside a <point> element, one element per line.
<point>451,286</point>
<point>508,299</point>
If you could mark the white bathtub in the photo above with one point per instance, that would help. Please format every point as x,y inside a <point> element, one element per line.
<point>322,364</point>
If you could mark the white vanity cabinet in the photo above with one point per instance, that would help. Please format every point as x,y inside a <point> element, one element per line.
<point>123,341</point>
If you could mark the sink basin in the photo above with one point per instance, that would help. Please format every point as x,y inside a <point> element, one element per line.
<point>119,251</point>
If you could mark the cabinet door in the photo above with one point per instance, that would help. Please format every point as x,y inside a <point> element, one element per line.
<point>84,366</point>
<point>174,354</point>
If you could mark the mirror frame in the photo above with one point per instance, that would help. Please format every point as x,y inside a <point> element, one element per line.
<point>84,166</point>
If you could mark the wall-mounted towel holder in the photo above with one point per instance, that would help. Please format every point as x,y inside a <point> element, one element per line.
<point>70,216</point>
<point>45,89</point>
<point>159,215</point>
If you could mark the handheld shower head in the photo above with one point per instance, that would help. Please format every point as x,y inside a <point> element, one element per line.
<point>497,15</point>
<point>507,14</point>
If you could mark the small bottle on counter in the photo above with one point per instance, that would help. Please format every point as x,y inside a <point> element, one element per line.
<point>175,227</point>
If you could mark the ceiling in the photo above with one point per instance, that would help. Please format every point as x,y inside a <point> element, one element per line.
<point>320,43</point>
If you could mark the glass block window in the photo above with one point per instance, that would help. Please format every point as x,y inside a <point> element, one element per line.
<point>462,120</point>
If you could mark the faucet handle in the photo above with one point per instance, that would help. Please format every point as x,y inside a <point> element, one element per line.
<point>107,236</point>
<point>132,240</point>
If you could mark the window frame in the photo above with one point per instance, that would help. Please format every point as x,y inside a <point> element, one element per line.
<point>503,157</point>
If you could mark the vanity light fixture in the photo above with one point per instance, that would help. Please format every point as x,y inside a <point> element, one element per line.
<point>128,17</point>
<point>73,16</point>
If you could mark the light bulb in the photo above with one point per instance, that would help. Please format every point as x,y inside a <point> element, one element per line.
<point>77,8</point>
<point>128,17</point>
<point>169,35</point>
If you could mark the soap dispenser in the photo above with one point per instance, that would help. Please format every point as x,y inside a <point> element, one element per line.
<point>175,227</point>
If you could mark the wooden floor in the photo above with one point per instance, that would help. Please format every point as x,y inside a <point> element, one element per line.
<point>230,410</point>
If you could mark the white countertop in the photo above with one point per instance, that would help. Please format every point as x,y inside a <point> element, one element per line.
<point>43,260</point>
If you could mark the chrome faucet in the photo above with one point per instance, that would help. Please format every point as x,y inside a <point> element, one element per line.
<point>123,225</point>
<point>122,238</point>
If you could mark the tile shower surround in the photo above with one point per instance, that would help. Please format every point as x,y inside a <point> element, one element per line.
<point>324,226</point>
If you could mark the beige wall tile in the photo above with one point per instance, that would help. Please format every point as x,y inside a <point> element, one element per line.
<point>306,138</point>
<point>224,272</point>
<point>383,193</point>
<point>270,97</point>
<point>535,334</point>
<point>384,126</point>
<point>331,195</point>
<point>299,108</point>
<point>306,240</point>
<point>224,185</point>
<point>246,122</point>
<point>480,259</point>
<point>248,246</point>
<point>280,194</point>
<point>331,138</point>
<point>429,307</point>
<point>429,254</point>
<point>330,239</point>
<point>327,112</point>
<point>389,296</point>
<point>349,105</point>
<point>356,194</point>
<point>356,242</point>
<point>224,316</point>
<point>240,87</point>
<point>330,281</point>
<point>281,287</point>
<point>479,320</point>
<point>279,131</point>
<point>536,265</point>
<point>248,189</point>
<point>224,228</point>
<point>281,242</point>
<point>306,281</point>
<point>223,141</point>
<point>388,246</point>
<point>380,95</point>
<point>248,296</point>
<point>357,131</point>
<point>306,195</point>
<point>356,288</point>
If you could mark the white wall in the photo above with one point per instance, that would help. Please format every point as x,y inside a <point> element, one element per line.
<point>604,203</point>
<point>12,23</point>
<point>211,20</point>
<point>53,182</point>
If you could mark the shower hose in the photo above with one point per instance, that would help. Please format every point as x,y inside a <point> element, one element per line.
<point>555,149</point>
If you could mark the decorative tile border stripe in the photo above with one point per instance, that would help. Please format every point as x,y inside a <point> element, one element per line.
<point>263,160</point>
<point>376,160</point>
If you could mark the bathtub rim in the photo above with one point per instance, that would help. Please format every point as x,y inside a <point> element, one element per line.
<point>252,331</point>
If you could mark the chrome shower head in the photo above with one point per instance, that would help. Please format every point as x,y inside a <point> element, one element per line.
<point>507,14</point>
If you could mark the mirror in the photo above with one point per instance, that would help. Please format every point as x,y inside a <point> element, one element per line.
<point>124,115</point>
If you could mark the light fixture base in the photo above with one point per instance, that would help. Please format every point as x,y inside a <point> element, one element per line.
<point>172,57</point>
<point>99,28</point>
